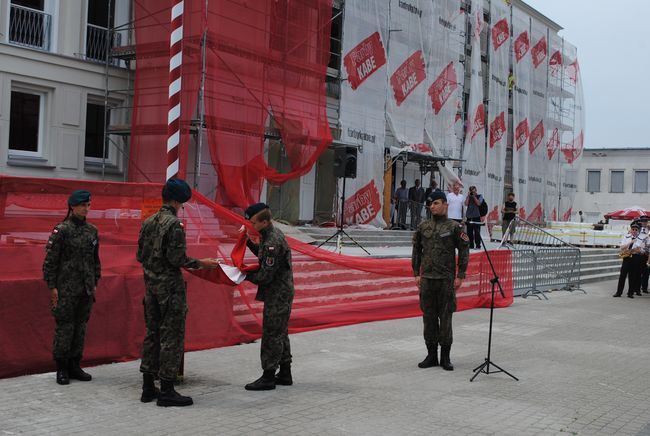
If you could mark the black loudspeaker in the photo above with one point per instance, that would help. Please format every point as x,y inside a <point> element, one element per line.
<point>345,162</point>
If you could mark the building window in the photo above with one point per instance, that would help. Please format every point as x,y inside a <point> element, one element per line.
<point>94,147</point>
<point>29,25</point>
<point>98,39</point>
<point>616,181</point>
<point>593,181</point>
<point>641,181</point>
<point>25,123</point>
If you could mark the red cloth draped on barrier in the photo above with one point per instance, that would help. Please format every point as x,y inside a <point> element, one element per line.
<point>266,64</point>
<point>331,289</point>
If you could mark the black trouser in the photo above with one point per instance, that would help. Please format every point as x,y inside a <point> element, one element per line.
<point>645,273</point>
<point>474,232</point>
<point>631,268</point>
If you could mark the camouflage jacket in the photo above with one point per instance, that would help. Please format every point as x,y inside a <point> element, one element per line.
<point>434,249</point>
<point>72,257</point>
<point>275,274</point>
<point>161,250</point>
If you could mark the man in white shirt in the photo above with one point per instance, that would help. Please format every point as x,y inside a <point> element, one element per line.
<point>455,202</point>
<point>633,244</point>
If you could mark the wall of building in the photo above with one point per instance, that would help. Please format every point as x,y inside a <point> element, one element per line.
<point>66,82</point>
<point>596,203</point>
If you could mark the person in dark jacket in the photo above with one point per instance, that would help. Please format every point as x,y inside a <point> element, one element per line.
<point>72,269</point>
<point>275,288</point>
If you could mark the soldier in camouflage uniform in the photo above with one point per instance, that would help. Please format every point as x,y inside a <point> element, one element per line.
<point>72,269</point>
<point>275,289</point>
<point>161,251</point>
<point>434,265</point>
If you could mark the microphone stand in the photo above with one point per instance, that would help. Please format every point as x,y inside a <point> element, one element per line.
<point>485,366</point>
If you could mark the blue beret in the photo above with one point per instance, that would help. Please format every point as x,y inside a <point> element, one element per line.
<point>254,209</point>
<point>437,195</point>
<point>78,197</point>
<point>177,189</point>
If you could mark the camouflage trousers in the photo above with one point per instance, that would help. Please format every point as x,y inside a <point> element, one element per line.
<point>71,315</point>
<point>276,349</point>
<point>164,341</point>
<point>438,303</point>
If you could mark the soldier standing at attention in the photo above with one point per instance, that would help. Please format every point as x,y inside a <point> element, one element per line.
<point>72,269</point>
<point>434,265</point>
<point>161,251</point>
<point>274,282</point>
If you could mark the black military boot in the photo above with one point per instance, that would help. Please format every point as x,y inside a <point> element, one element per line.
<point>431,359</point>
<point>284,375</point>
<point>62,376</point>
<point>149,390</point>
<point>444,358</point>
<point>170,398</point>
<point>264,383</point>
<point>75,371</point>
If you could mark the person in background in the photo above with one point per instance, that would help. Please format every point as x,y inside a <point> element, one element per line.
<point>632,249</point>
<point>401,201</point>
<point>645,271</point>
<point>72,269</point>
<point>509,211</point>
<point>581,217</point>
<point>473,217</point>
<point>455,202</point>
<point>416,201</point>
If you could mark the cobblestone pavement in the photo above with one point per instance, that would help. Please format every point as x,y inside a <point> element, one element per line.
<point>583,362</point>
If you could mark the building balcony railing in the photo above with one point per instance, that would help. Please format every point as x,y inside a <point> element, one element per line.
<point>97,47</point>
<point>29,27</point>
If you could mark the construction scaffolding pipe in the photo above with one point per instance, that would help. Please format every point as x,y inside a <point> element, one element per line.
<point>174,106</point>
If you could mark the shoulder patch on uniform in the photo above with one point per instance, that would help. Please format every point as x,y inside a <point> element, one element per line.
<point>55,231</point>
<point>464,237</point>
<point>182,225</point>
<point>270,261</point>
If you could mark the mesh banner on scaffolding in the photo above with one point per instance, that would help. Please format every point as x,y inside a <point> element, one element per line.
<point>406,74</point>
<point>522,68</point>
<point>537,168</point>
<point>331,289</point>
<point>553,126</point>
<point>474,146</point>
<point>572,140</point>
<point>443,44</point>
<point>499,46</point>
<point>362,114</point>
<point>266,64</point>
<point>148,147</point>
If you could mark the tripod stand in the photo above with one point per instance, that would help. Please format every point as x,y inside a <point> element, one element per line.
<point>485,366</point>
<point>340,232</point>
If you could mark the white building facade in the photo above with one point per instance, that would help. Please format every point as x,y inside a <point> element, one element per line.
<point>53,78</point>
<point>610,179</point>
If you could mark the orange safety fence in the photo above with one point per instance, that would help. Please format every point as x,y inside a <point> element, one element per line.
<point>331,289</point>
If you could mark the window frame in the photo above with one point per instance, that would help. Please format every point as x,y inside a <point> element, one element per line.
<point>40,145</point>
<point>611,180</point>
<point>92,159</point>
<point>647,179</point>
<point>600,180</point>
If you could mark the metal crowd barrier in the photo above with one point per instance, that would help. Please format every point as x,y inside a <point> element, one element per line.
<point>545,269</point>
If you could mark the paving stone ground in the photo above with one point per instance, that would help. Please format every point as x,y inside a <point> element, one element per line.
<point>583,363</point>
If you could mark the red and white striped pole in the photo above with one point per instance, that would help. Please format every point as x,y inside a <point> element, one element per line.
<point>174,106</point>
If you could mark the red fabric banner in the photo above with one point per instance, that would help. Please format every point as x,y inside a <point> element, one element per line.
<point>331,289</point>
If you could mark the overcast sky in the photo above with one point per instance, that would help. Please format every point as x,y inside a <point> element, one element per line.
<point>614,56</point>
